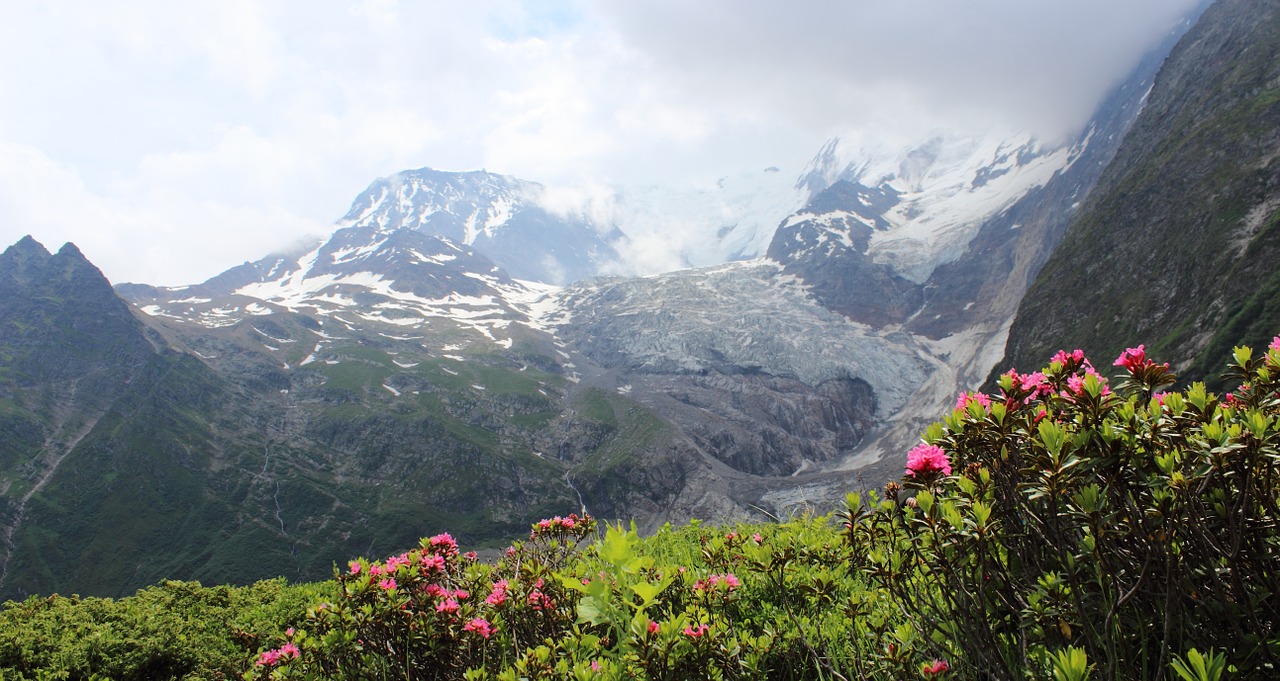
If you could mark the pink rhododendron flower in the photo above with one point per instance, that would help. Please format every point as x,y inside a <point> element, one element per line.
<point>926,459</point>
<point>355,567</point>
<point>289,650</point>
<point>1132,359</point>
<point>595,665</point>
<point>471,555</point>
<point>480,626</point>
<point>757,538</point>
<point>1075,384</point>
<point>387,584</point>
<point>1037,383</point>
<point>431,562</point>
<point>936,667</point>
<point>696,632</point>
<point>288,633</point>
<point>499,594</point>
<point>269,658</point>
<point>540,601</point>
<point>1275,343</point>
<point>434,590</point>
<point>967,398</point>
<point>375,570</point>
<point>1071,360</point>
<point>445,542</point>
<point>447,605</point>
<point>1135,360</point>
<point>653,627</point>
<point>555,524</point>
<point>712,581</point>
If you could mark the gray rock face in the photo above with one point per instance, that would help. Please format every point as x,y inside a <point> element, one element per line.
<point>737,319</point>
<point>827,243</point>
<point>765,425</point>
<point>744,361</point>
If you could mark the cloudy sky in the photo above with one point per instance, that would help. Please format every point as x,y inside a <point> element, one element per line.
<point>171,140</point>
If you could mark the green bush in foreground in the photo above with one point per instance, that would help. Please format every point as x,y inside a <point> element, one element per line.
<point>173,630</point>
<point>771,601</point>
<point>1059,529</point>
<point>1063,524</point>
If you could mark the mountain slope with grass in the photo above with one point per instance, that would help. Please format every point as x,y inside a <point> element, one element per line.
<point>1177,247</point>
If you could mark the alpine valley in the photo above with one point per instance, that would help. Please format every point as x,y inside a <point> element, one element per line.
<point>464,353</point>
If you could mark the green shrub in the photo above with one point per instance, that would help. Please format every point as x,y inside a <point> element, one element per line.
<point>1131,524</point>
<point>170,631</point>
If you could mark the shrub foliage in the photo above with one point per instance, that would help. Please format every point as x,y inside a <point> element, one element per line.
<point>1064,528</point>
<point>1130,524</point>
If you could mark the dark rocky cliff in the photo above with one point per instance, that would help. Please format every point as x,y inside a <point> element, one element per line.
<point>1178,245</point>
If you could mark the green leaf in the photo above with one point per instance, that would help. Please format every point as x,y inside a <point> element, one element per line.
<point>1070,664</point>
<point>592,611</point>
<point>616,547</point>
<point>1197,667</point>
<point>647,591</point>
<point>981,513</point>
<point>1053,436</point>
<point>924,500</point>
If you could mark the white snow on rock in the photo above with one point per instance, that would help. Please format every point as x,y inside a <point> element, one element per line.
<point>946,187</point>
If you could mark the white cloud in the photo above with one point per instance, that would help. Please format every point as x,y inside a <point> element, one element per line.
<point>172,140</point>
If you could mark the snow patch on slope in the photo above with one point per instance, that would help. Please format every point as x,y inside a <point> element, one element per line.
<point>946,188</point>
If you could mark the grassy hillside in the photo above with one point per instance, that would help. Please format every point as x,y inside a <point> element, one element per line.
<point>1177,247</point>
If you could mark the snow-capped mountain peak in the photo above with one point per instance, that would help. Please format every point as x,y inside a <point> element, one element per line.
<point>401,278</point>
<point>458,206</point>
<point>941,189</point>
<point>500,216</point>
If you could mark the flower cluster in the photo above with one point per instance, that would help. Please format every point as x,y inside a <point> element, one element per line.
<point>712,582</point>
<point>696,632</point>
<point>1070,362</point>
<point>934,668</point>
<point>444,544</point>
<point>498,596</point>
<point>926,459</point>
<point>967,398</point>
<point>1135,360</point>
<point>270,658</point>
<point>558,526</point>
<point>480,626</point>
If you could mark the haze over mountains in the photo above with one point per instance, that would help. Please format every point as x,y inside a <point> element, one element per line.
<point>461,353</point>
